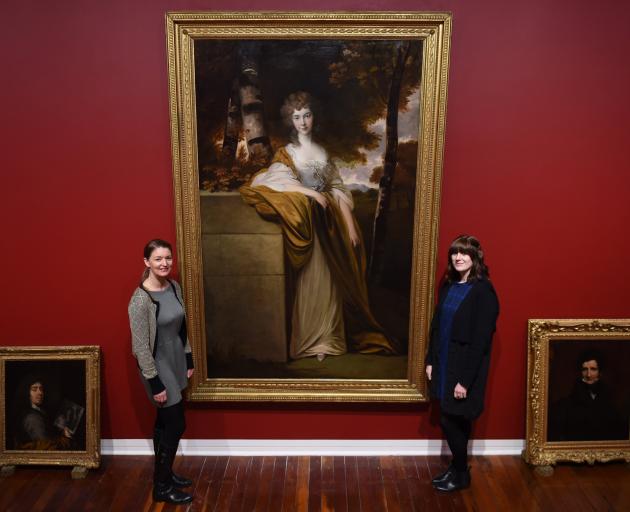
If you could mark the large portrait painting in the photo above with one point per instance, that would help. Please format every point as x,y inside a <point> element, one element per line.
<point>50,406</point>
<point>578,393</point>
<point>307,154</point>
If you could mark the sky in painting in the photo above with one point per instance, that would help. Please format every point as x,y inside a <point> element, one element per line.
<point>407,130</point>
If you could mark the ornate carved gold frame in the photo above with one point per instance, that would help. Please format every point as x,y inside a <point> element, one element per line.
<point>90,457</point>
<point>538,450</point>
<point>434,30</point>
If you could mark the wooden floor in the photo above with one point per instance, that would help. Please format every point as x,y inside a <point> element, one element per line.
<point>311,484</point>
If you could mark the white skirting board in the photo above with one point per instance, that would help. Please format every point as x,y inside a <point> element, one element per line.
<point>332,447</point>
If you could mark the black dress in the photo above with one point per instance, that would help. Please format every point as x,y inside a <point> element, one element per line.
<point>469,346</point>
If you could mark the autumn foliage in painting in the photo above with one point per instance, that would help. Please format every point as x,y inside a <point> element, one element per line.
<point>240,86</point>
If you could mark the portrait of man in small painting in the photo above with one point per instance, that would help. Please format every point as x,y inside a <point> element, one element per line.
<point>45,405</point>
<point>307,179</point>
<point>589,394</point>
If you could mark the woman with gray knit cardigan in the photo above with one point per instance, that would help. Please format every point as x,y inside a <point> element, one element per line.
<point>160,345</point>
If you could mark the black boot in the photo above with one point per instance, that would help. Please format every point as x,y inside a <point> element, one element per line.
<point>459,480</point>
<point>446,475</point>
<point>178,481</point>
<point>163,487</point>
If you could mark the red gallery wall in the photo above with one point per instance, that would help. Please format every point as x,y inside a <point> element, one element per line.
<point>536,164</point>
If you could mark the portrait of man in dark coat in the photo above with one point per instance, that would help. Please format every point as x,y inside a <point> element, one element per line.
<point>45,405</point>
<point>35,428</point>
<point>589,412</point>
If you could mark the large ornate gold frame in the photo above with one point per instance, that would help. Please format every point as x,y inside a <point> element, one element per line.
<point>538,450</point>
<point>88,458</point>
<point>434,30</point>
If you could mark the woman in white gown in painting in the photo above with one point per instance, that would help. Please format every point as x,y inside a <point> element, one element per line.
<point>302,189</point>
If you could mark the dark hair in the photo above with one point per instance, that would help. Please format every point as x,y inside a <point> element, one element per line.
<point>297,101</point>
<point>591,355</point>
<point>152,245</point>
<point>24,387</point>
<point>467,244</point>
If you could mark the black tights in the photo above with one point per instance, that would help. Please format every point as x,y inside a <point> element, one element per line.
<point>170,424</point>
<point>457,432</point>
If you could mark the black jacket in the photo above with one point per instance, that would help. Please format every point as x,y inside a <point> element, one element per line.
<point>580,417</point>
<point>474,324</point>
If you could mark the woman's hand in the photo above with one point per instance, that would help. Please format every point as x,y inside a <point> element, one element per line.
<point>67,432</point>
<point>320,198</point>
<point>348,218</point>
<point>460,392</point>
<point>160,398</point>
<point>189,372</point>
<point>429,370</point>
<point>354,236</point>
<point>309,192</point>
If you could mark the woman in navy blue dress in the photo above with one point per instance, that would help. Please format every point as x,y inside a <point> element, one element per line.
<point>459,352</point>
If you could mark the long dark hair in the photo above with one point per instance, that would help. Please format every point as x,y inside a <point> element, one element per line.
<point>23,396</point>
<point>152,245</point>
<point>467,244</point>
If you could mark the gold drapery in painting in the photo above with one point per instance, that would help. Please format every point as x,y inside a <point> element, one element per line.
<point>300,218</point>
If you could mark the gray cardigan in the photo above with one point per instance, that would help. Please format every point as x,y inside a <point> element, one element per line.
<point>143,321</point>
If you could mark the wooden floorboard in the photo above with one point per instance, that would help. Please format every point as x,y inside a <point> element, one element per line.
<point>259,501</point>
<point>320,484</point>
<point>314,488</point>
<point>290,486</point>
<point>352,484</point>
<point>419,499</point>
<point>328,484</point>
<point>278,480</point>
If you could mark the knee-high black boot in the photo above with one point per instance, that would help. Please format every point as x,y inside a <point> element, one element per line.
<point>178,481</point>
<point>163,487</point>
